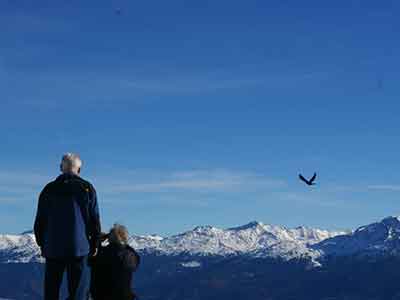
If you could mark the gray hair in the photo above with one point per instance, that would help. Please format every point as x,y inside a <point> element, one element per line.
<point>118,235</point>
<point>71,163</point>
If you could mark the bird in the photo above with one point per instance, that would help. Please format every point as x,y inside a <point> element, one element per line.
<point>308,182</point>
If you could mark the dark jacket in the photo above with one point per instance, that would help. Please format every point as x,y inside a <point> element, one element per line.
<point>67,222</point>
<point>112,272</point>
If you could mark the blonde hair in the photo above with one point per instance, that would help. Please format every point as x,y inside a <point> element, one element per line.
<point>118,235</point>
<point>71,163</point>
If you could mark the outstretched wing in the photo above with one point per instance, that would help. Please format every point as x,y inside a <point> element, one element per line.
<point>313,178</point>
<point>303,179</point>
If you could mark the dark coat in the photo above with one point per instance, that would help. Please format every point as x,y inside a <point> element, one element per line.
<point>112,272</point>
<point>67,222</point>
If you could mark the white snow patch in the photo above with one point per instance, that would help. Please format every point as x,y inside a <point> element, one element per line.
<point>191,264</point>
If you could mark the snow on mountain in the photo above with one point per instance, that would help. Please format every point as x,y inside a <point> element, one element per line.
<point>19,248</point>
<point>141,242</point>
<point>254,239</point>
<point>191,264</point>
<point>376,238</point>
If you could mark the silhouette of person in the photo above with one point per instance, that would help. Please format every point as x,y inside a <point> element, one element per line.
<point>67,230</point>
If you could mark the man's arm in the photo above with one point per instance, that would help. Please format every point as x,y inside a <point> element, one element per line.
<point>132,259</point>
<point>94,222</point>
<point>40,220</point>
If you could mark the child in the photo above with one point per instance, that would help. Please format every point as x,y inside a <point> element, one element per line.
<point>113,267</point>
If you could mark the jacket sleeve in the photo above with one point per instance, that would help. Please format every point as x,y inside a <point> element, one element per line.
<point>94,220</point>
<point>132,259</point>
<point>41,219</point>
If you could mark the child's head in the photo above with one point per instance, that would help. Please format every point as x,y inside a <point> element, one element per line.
<point>118,235</point>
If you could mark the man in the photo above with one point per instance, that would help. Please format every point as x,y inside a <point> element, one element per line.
<point>113,267</point>
<point>67,230</point>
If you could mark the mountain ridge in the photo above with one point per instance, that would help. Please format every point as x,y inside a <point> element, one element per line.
<point>254,239</point>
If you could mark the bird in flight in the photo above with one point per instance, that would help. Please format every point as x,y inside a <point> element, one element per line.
<point>308,182</point>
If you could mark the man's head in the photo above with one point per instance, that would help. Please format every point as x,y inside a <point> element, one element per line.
<point>118,235</point>
<point>71,163</point>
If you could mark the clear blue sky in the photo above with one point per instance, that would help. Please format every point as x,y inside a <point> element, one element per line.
<point>203,112</point>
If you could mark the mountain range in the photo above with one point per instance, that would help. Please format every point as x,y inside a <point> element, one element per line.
<point>253,239</point>
<point>268,261</point>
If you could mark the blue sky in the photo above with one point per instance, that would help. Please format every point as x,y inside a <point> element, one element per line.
<point>189,113</point>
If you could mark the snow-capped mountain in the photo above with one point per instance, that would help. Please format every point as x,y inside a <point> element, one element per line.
<point>217,263</point>
<point>377,238</point>
<point>19,248</point>
<point>255,239</point>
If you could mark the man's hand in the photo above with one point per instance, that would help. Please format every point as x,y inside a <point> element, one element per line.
<point>93,252</point>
